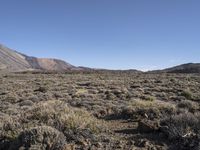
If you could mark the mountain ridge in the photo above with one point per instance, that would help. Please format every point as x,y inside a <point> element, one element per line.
<point>184,68</point>
<point>11,60</point>
<point>14,61</point>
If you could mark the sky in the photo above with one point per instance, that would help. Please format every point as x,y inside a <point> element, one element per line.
<point>111,34</point>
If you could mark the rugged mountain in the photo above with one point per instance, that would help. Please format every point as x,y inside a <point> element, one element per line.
<point>184,68</point>
<point>11,60</point>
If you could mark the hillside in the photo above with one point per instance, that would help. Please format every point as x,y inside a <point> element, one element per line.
<point>184,68</point>
<point>11,60</point>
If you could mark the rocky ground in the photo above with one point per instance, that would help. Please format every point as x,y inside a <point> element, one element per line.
<point>99,110</point>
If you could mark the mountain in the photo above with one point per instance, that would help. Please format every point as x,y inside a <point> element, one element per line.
<point>49,64</point>
<point>184,68</point>
<point>11,60</point>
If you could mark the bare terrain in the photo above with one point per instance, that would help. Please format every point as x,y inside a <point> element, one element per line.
<point>13,61</point>
<point>99,110</point>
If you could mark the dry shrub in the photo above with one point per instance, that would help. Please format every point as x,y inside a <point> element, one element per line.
<point>181,125</point>
<point>183,130</point>
<point>187,94</point>
<point>41,137</point>
<point>148,109</point>
<point>188,105</point>
<point>37,121</point>
<point>9,130</point>
<point>63,117</point>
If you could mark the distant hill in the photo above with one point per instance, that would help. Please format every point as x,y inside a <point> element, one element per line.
<point>11,60</point>
<point>184,68</point>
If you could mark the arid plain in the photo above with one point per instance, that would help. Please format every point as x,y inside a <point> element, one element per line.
<point>99,110</point>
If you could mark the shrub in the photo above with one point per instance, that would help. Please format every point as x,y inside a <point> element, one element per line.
<point>187,94</point>
<point>59,115</point>
<point>148,98</point>
<point>41,137</point>
<point>139,109</point>
<point>9,130</point>
<point>189,105</point>
<point>183,130</point>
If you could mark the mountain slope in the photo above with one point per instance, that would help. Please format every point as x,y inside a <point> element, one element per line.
<point>184,68</point>
<point>11,60</point>
<point>14,61</point>
<point>49,64</point>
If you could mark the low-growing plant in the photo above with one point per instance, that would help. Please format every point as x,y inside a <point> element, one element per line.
<point>9,130</point>
<point>189,105</point>
<point>63,117</point>
<point>148,109</point>
<point>183,129</point>
<point>40,137</point>
<point>148,98</point>
<point>187,94</point>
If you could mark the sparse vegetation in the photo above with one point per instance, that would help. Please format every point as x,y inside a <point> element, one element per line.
<point>62,117</point>
<point>139,109</point>
<point>99,110</point>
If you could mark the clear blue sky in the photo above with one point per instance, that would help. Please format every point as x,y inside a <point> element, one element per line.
<point>115,34</point>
